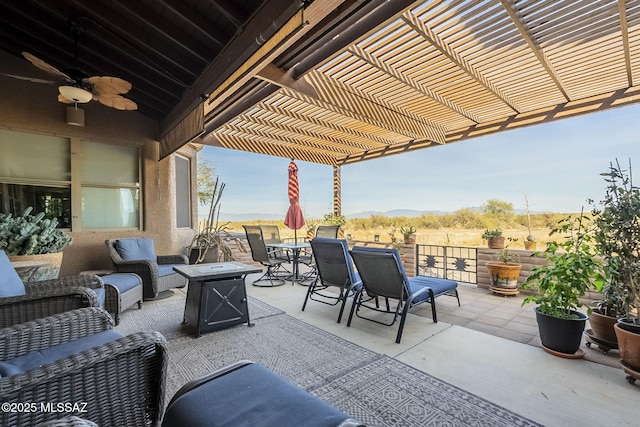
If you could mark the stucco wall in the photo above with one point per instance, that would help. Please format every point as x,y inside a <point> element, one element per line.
<point>33,107</point>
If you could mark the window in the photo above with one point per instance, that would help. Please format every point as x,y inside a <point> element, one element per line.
<point>36,170</point>
<point>183,192</point>
<point>109,176</point>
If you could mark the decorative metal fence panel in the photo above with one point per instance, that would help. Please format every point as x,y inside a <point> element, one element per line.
<point>457,263</point>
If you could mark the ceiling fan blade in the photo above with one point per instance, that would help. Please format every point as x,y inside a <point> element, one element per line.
<point>65,100</point>
<point>106,84</point>
<point>44,66</point>
<point>30,79</point>
<point>116,101</point>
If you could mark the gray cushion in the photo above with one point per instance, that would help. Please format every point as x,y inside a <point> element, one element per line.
<point>136,249</point>
<point>167,269</point>
<point>57,352</point>
<point>10,283</point>
<point>123,281</point>
<point>250,396</point>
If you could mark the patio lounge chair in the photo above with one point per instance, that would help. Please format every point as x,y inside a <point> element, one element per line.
<point>275,272</point>
<point>383,276</point>
<point>328,231</point>
<point>138,255</point>
<point>334,268</point>
<point>77,358</point>
<point>248,394</point>
<point>21,302</point>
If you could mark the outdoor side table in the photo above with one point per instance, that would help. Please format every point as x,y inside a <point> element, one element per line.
<point>216,296</point>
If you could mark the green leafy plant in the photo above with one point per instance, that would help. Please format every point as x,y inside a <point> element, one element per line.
<point>618,241</point>
<point>489,234</point>
<point>331,219</point>
<point>31,234</point>
<point>573,267</point>
<point>408,230</point>
<point>213,234</point>
<point>507,256</point>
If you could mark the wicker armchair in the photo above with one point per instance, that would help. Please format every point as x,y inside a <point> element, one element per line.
<point>121,381</point>
<point>156,271</point>
<point>50,297</point>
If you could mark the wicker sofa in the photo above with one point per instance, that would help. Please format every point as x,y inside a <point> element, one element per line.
<point>137,255</point>
<point>21,302</point>
<point>77,357</point>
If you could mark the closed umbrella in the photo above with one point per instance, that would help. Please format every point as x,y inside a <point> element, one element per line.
<point>294,218</point>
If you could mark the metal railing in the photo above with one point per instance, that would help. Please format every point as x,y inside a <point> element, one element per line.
<point>459,263</point>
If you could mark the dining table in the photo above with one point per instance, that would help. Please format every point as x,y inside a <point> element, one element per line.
<point>295,248</point>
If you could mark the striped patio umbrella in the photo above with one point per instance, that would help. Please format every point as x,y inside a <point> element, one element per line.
<point>294,218</point>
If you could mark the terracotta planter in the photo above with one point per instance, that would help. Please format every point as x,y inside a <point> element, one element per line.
<point>629,346</point>
<point>495,242</point>
<point>49,271</point>
<point>504,275</point>
<point>561,335</point>
<point>602,327</point>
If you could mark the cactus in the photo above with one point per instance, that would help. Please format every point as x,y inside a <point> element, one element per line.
<point>31,234</point>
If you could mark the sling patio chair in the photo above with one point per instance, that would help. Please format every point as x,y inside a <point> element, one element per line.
<point>328,231</point>
<point>271,234</point>
<point>324,231</point>
<point>275,273</point>
<point>383,276</point>
<point>334,269</point>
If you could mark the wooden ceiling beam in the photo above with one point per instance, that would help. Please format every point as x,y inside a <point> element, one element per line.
<point>431,37</point>
<point>518,21</point>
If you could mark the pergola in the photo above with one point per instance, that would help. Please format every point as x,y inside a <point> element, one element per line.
<point>342,81</point>
<point>434,73</point>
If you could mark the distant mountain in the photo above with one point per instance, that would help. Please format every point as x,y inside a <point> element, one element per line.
<point>395,212</point>
<point>409,213</point>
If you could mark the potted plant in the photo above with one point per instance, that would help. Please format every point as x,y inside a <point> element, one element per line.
<point>494,239</point>
<point>409,234</point>
<point>504,272</point>
<point>618,240</point>
<point>211,244</point>
<point>34,238</point>
<point>573,267</point>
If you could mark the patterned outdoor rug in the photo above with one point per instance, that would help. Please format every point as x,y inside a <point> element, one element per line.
<point>165,316</point>
<point>373,388</point>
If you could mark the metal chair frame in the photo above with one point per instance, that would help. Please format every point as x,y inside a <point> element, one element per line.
<point>334,269</point>
<point>260,253</point>
<point>383,276</point>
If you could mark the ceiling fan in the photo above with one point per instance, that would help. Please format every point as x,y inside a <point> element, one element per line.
<point>76,87</point>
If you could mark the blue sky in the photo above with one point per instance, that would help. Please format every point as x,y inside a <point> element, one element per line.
<point>556,164</point>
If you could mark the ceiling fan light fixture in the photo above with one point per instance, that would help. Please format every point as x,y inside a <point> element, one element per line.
<point>76,94</point>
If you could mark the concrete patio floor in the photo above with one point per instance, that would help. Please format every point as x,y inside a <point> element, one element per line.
<point>489,347</point>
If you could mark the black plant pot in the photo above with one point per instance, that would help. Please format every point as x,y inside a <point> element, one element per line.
<point>561,335</point>
<point>629,325</point>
